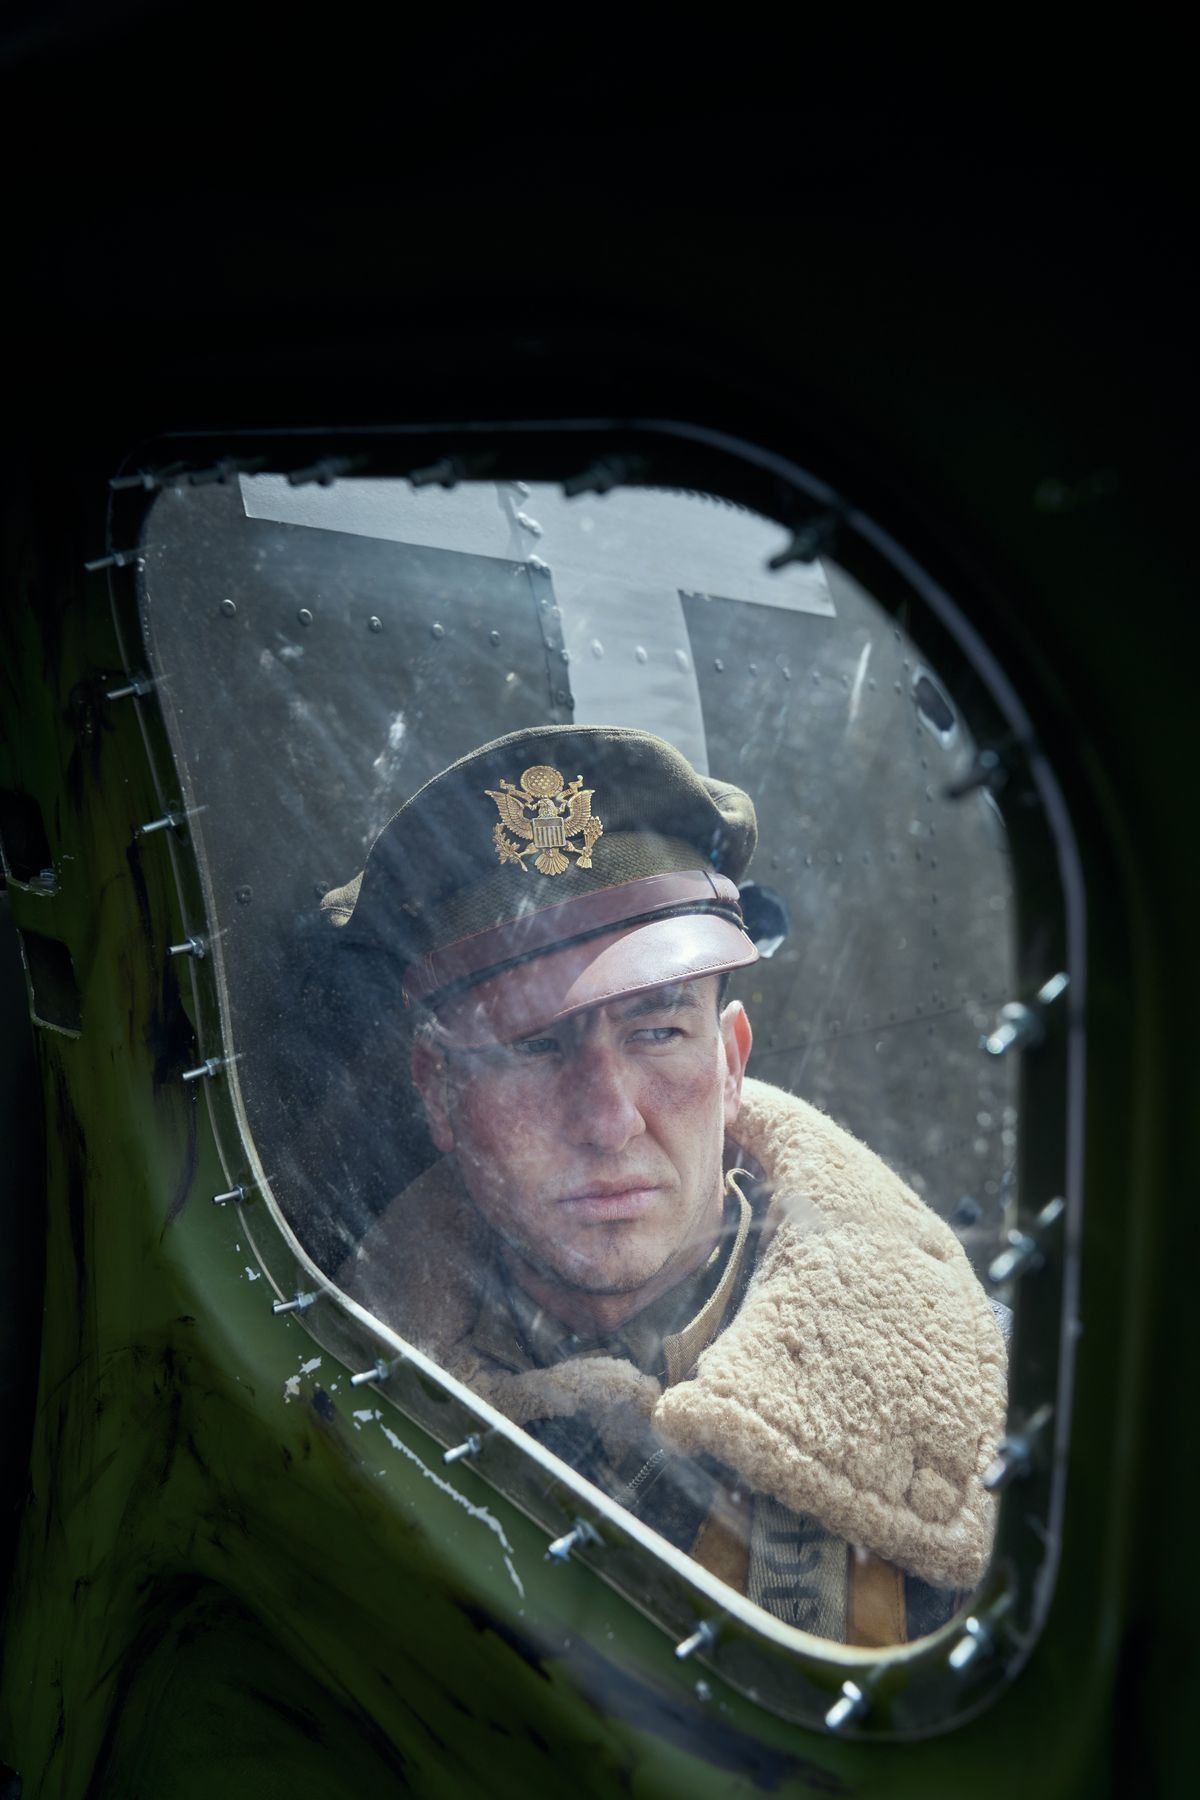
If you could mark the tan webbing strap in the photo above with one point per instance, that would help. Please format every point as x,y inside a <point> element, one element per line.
<point>875,1612</point>
<point>722,1544</point>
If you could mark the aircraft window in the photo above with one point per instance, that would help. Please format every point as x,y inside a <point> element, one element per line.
<point>487,1012</point>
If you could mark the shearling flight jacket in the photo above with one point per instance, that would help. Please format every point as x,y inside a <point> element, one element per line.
<point>861,1382</point>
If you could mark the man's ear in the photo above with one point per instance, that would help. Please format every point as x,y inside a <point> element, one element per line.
<point>429,1078</point>
<point>738,1039</point>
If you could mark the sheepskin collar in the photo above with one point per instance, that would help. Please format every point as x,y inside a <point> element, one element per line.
<point>861,1382</point>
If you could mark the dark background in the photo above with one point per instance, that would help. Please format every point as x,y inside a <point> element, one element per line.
<point>954,271</point>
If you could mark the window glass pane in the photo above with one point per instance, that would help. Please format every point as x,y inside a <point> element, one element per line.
<point>497,1086</point>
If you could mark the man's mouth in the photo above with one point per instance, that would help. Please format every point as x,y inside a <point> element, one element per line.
<point>611,1200</point>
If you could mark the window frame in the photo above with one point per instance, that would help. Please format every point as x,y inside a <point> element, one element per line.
<point>908,1691</point>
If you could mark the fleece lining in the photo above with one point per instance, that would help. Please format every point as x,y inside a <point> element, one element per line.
<point>862,1381</point>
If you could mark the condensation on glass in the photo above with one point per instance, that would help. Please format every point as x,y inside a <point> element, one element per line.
<point>324,652</point>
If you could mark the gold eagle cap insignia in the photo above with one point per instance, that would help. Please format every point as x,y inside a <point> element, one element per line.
<point>546,819</point>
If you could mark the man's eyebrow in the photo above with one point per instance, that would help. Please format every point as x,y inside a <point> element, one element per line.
<point>674,998</point>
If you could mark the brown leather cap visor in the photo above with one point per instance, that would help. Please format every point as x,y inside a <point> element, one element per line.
<point>667,928</point>
<point>555,986</point>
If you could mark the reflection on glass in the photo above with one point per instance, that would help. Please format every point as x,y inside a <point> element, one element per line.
<point>571,883</point>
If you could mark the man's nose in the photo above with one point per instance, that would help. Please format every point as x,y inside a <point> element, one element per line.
<point>603,1112</point>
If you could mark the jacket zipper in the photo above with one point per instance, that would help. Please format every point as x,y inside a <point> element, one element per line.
<point>648,1468</point>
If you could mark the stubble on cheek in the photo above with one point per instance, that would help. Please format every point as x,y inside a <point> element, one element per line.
<point>517,1174</point>
<point>522,1203</point>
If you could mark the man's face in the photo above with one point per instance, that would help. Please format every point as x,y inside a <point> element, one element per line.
<point>595,1148</point>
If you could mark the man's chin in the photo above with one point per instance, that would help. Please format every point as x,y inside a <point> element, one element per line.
<point>600,1289</point>
<point>600,1279</point>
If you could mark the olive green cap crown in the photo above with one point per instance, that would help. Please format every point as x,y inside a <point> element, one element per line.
<point>535,820</point>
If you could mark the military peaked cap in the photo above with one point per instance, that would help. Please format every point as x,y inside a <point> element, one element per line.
<point>554,869</point>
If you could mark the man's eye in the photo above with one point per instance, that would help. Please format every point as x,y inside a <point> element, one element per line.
<point>657,1034</point>
<point>541,1046</point>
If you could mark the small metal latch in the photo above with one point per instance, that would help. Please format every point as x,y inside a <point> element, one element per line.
<point>1015,1453</point>
<point>1025,1249</point>
<point>580,1533</point>
<point>851,1704</point>
<point>150,480</point>
<point>703,1638</point>
<point>325,471</point>
<point>136,685</point>
<point>606,473</point>
<point>979,1636</point>
<point>207,1068</point>
<point>470,1446</point>
<point>298,1303</point>
<point>191,946</point>
<point>975,1642</point>
<point>379,1371</point>
<point>450,470</point>
<point>1022,1026</point>
<point>116,559</point>
<point>225,469</point>
<point>239,1194</point>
